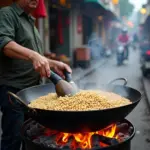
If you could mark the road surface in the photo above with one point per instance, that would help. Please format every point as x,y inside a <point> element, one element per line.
<point>140,117</point>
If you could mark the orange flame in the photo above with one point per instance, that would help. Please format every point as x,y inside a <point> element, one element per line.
<point>82,140</point>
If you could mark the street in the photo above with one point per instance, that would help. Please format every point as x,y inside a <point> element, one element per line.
<point>140,117</point>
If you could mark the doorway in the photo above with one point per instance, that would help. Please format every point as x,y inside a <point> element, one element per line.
<point>59,31</point>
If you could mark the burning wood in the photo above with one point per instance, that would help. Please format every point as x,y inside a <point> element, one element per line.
<point>95,141</point>
<point>107,140</point>
<point>111,135</point>
<point>67,146</point>
<point>123,132</point>
<point>46,142</point>
<point>35,130</point>
<point>123,127</point>
<point>123,137</point>
<point>131,130</point>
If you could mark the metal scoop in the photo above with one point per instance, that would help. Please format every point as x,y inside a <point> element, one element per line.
<point>63,87</point>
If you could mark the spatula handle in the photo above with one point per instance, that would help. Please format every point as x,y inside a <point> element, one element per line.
<point>68,76</point>
<point>55,78</point>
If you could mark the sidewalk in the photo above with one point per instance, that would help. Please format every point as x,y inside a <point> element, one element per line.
<point>146,84</point>
<point>79,73</point>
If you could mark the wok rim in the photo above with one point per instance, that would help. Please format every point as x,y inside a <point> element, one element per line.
<point>88,111</point>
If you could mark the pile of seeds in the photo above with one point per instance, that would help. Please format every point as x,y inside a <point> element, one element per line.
<point>82,101</point>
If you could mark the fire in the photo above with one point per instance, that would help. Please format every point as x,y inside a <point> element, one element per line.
<point>109,131</point>
<point>81,140</point>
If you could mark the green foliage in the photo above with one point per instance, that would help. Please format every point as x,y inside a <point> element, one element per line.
<point>126,8</point>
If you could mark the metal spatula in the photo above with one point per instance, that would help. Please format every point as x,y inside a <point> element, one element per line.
<point>63,87</point>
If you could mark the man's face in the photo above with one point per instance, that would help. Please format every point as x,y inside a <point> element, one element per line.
<point>30,4</point>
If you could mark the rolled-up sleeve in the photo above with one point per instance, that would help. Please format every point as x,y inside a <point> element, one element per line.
<point>7,29</point>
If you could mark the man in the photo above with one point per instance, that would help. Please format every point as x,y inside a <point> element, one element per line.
<point>21,64</point>
<point>123,38</point>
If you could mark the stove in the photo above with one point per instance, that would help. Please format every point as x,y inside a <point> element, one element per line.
<point>116,136</point>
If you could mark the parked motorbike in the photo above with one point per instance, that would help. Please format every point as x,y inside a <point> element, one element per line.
<point>145,58</point>
<point>108,51</point>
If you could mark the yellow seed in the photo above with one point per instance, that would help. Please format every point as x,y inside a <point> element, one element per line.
<point>82,101</point>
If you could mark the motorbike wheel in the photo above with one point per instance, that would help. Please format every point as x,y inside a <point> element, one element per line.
<point>126,55</point>
<point>119,59</point>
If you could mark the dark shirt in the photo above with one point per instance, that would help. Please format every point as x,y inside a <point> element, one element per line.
<point>16,25</point>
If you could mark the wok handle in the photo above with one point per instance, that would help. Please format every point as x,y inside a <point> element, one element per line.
<point>21,102</point>
<point>119,79</point>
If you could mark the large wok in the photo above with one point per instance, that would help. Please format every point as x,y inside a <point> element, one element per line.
<point>76,121</point>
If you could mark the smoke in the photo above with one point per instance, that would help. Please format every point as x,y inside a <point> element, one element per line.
<point>95,46</point>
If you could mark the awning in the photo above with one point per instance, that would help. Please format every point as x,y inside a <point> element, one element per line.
<point>96,1</point>
<point>101,9</point>
<point>111,16</point>
<point>92,8</point>
<point>40,11</point>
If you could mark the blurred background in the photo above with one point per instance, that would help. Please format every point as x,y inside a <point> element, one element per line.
<point>101,40</point>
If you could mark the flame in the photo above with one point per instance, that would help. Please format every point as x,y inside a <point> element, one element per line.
<point>81,140</point>
<point>109,131</point>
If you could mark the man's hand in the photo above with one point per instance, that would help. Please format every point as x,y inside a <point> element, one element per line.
<point>59,67</point>
<point>41,64</point>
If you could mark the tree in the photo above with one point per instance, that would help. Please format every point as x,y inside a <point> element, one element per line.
<point>126,8</point>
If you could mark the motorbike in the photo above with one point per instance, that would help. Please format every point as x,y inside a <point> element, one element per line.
<point>121,53</point>
<point>145,58</point>
<point>108,52</point>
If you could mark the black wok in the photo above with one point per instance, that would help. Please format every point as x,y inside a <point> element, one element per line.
<point>77,121</point>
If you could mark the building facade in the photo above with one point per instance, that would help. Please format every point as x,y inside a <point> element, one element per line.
<point>70,23</point>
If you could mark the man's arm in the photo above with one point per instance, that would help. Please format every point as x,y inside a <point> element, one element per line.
<point>10,48</point>
<point>40,63</point>
<point>14,50</point>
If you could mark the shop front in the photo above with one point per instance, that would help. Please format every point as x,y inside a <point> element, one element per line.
<point>59,33</point>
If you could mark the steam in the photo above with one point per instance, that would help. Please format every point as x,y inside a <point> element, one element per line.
<point>95,46</point>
